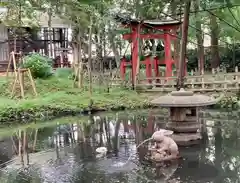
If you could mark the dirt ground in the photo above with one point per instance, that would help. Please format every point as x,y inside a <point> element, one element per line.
<point>3,73</point>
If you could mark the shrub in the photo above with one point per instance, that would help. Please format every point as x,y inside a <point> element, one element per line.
<point>40,66</point>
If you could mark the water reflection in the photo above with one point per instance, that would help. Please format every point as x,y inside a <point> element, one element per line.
<point>66,152</point>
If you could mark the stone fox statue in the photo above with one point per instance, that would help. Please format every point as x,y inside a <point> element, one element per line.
<point>166,148</point>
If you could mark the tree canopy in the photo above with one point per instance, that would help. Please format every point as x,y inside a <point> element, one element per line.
<point>218,19</point>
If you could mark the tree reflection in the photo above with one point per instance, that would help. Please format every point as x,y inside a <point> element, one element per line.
<point>116,137</point>
<point>215,160</point>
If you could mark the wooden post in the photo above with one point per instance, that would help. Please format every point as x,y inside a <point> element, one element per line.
<point>214,78</point>
<point>168,54</point>
<point>18,79</point>
<point>192,80</point>
<point>236,77</point>
<point>61,60</point>
<point>9,63</point>
<point>12,60</point>
<point>225,81</point>
<point>202,79</point>
<point>135,52</point>
<point>32,82</point>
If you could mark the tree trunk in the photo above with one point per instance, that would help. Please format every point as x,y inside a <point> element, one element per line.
<point>181,73</point>
<point>214,42</point>
<point>77,57</point>
<point>176,43</point>
<point>77,49</point>
<point>79,43</point>
<point>199,37</point>
<point>114,48</point>
<point>90,57</point>
<point>100,54</point>
<point>50,31</point>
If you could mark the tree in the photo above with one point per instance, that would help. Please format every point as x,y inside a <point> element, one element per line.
<point>199,36</point>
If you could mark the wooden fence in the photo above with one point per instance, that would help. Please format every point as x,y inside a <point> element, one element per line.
<point>218,80</point>
<point>214,81</point>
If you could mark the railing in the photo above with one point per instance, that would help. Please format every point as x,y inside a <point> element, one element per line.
<point>208,82</point>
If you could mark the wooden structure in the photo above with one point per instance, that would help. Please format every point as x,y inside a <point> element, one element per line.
<point>50,41</point>
<point>19,74</point>
<point>168,34</point>
<point>61,60</point>
<point>217,81</point>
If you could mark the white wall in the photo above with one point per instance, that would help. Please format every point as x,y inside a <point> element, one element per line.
<point>4,51</point>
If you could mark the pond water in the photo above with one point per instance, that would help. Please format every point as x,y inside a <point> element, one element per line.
<point>64,151</point>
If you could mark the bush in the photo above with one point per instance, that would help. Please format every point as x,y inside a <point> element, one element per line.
<point>228,102</point>
<point>40,66</point>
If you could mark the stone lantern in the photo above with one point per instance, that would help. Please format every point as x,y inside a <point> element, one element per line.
<point>183,120</point>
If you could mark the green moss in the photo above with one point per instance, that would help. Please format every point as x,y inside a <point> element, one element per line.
<point>56,96</point>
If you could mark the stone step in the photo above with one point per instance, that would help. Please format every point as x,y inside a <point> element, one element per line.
<point>187,119</point>
<point>187,127</point>
<point>187,139</point>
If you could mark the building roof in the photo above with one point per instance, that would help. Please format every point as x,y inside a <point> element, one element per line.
<point>162,22</point>
<point>56,21</point>
<point>130,21</point>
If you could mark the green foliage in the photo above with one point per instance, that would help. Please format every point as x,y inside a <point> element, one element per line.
<point>39,65</point>
<point>229,102</point>
<point>63,72</point>
<point>122,31</point>
<point>229,58</point>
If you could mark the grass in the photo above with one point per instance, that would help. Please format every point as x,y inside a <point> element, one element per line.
<point>58,94</point>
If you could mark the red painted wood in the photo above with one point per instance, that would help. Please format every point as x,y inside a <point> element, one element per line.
<point>135,47</point>
<point>156,69</point>
<point>123,68</point>
<point>163,27</point>
<point>168,61</point>
<point>159,27</point>
<point>148,68</point>
<point>148,36</point>
<point>168,54</point>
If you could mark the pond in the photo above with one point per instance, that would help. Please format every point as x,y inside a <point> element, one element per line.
<point>64,151</point>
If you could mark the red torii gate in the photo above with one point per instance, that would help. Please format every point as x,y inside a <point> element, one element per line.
<point>169,29</point>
